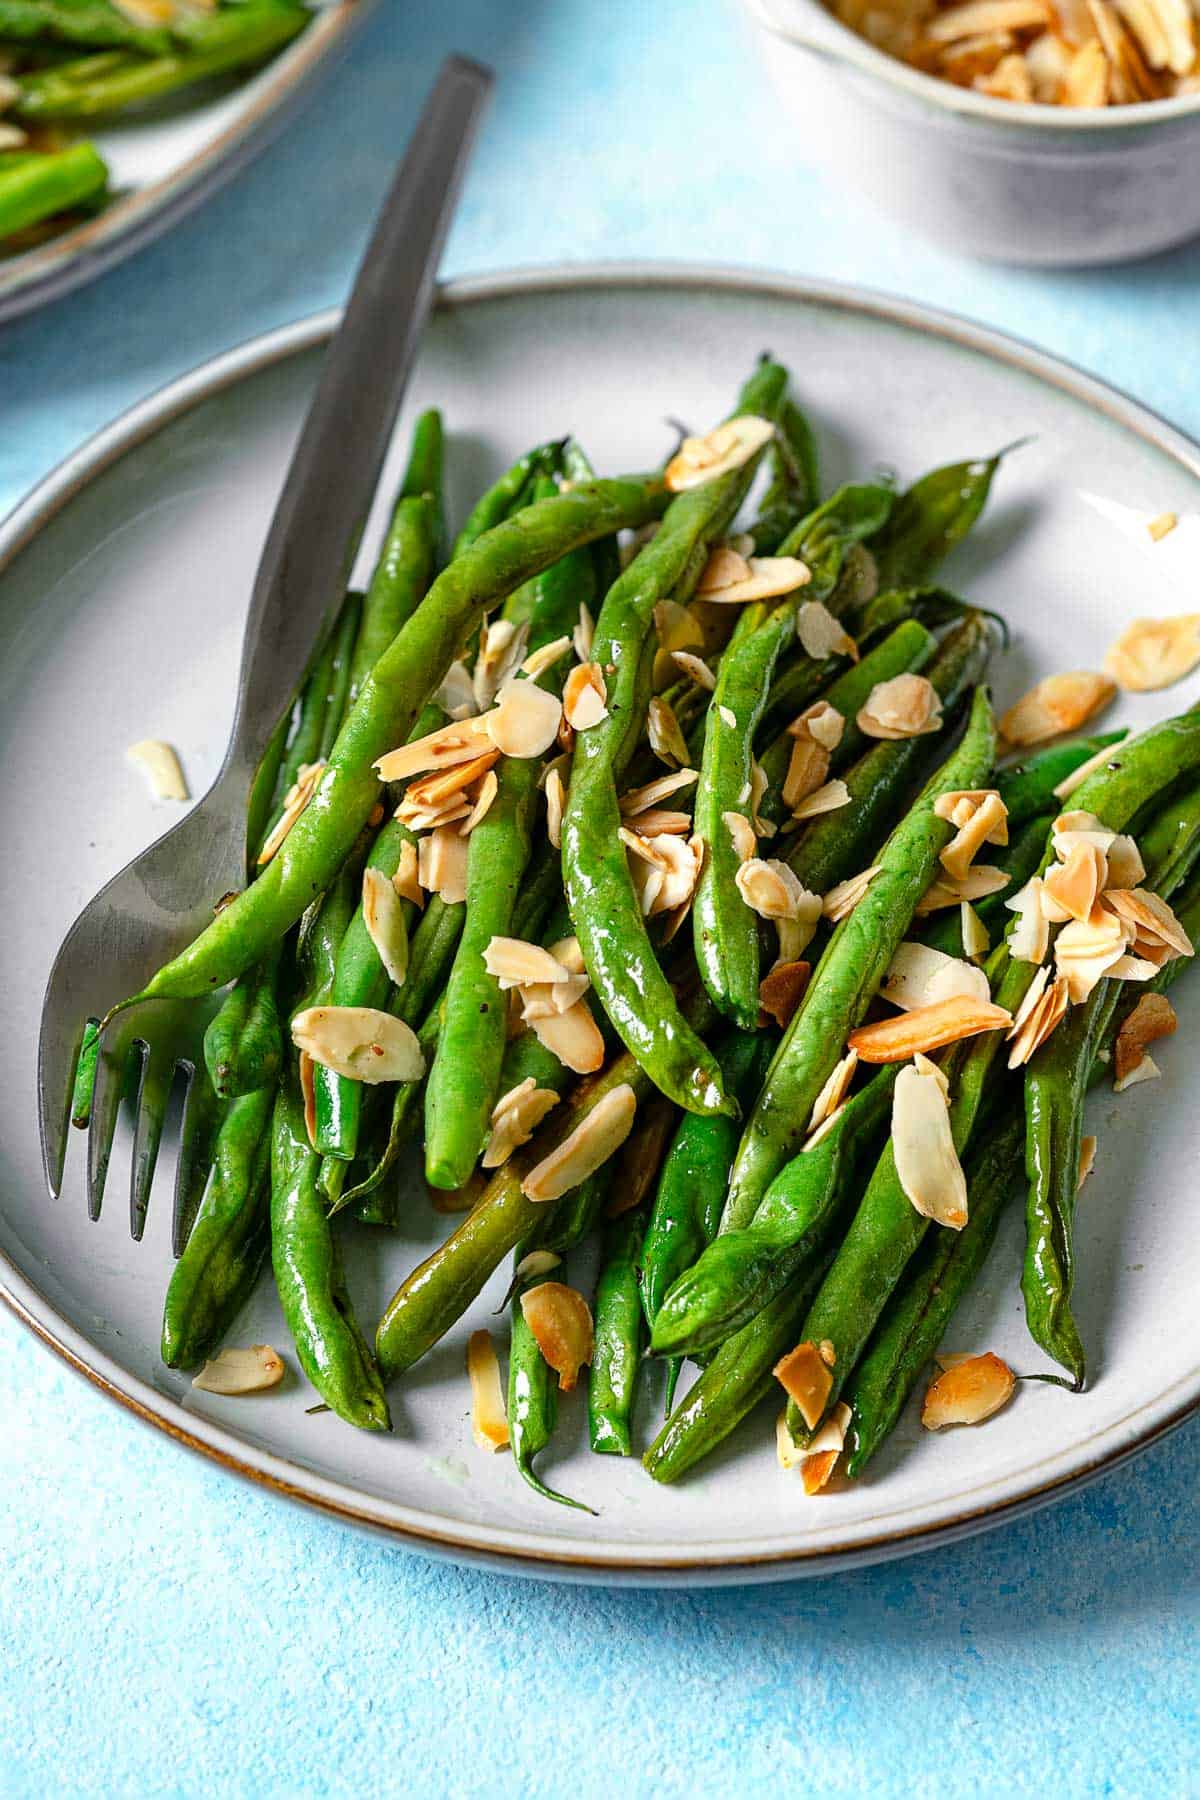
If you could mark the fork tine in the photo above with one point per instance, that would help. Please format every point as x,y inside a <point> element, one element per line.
<point>196,1134</point>
<point>118,1059</point>
<point>154,1090</point>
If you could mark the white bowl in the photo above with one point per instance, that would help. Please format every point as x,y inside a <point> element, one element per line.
<point>1030,184</point>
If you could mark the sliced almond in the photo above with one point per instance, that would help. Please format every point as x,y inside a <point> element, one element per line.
<point>359,1042</point>
<point>830,1098</point>
<point>501,648</point>
<point>599,1135</point>
<point>160,764</point>
<point>545,658</point>
<point>241,1370</point>
<point>782,989</point>
<point>442,864</point>
<point>986,825</point>
<point>1074,884</point>
<point>661,821</point>
<point>555,803</point>
<point>823,723</point>
<point>1086,81</point>
<point>459,742</point>
<point>766,578</point>
<point>583,633</point>
<point>489,787</point>
<point>745,844</point>
<point>1078,776</point>
<point>525,719</point>
<point>1164,523</point>
<point>731,446</point>
<point>537,1262</point>
<point>405,880</point>
<point>904,707</point>
<point>383,916</point>
<point>642,799</point>
<point>927,1165</point>
<point>979,881</point>
<point>829,798</point>
<point>1029,939</point>
<point>821,635</point>
<point>805,1378</point>
<point>574,1037</point>
<point>515,1118</point>
<point>807,769</point>
<point>1087,1160</point>
<point>697,670</point>
<point>1086,949</point>
<point>1145,1069</point>
<point>1059,703</point>
<point>725,568</point>
<point>515,963</point>
<point>585,696</point>
<point>927,1028</point>
<point>842,899</point>
<point>976,16</point>
<point>489,1420</point>
<point>662,729</point>
<point>307,781</point>
<point>968,1393</point>
<point>769,888</point>
<point>975,940</point>
<point>818,1464</point>
<point>1152,1018</point>
<point>1040,1014</point>
<point>542,998</point>
<point>1125,866</point>
<point>919,975</point>
<point>456,695</point>
<point>561,1322</point>
<point>1151,917</point>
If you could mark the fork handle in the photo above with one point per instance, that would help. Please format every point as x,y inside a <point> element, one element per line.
<point>327,495</point>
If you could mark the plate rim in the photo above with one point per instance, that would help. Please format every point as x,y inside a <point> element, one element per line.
<point>73,258</point>
<point>525,1551</point>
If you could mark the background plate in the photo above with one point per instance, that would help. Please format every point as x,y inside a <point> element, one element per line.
<point>124,584</point>
<point>167,160</point>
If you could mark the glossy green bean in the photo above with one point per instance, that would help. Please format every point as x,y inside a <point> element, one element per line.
<point>532,1405</point>
<point>929,519</point>
<point>243,1045</point>
<point>619,1326</point>
<point>1027,787</point>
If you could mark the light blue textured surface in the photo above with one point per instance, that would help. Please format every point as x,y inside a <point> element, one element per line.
<point>167,1631</point>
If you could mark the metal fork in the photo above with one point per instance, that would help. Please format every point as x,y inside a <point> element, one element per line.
<point>159,901</point>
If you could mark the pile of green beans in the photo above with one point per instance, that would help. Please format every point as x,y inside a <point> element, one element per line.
<point>740,1216</point>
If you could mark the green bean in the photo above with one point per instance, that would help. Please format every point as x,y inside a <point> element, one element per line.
<point>732,1384</point>
<point>725,928</point>
<point>85,1075</point>
<point>309,1277</point>
<point>794,487</point>
<point>501,501</point>
<point>604,907</point>
<point>612,1379</point>
<point>345,636</point>
<point>93,23</point>
<point>383,716</point>
<point>1019,860</point>
<point>43,186</point>
<point>930,519</point>
<point>849,974</point>
<point>226,1245</point>
<point>1027,787</point>
<point>401,576</point>
<point>741,1271</point>
<point>532,1399</point>
<point>243,1045</point>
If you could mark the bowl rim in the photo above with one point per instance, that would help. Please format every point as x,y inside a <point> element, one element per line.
<point>844,45</point>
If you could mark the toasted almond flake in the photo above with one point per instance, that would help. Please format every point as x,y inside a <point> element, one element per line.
<point>561,1322</point>
<point>539,999</point>
<point>808,767</point>
<point>823,1129</point>
<point>830,1098</point>
<point>1144,1070</point>
<point>1087,1160</point>
<point>842,899</point>
<point>545,658</point>
<point>682,871</point>
<point>904,707</point>
<point>927,1028</point>
<point>1009,80</point>
<point>1073,885</point>
<point>1152,1018</point>
<point>697,670</point>
<point>1132,968</point>
<point>160,764</point>
<point>359,1042</point>
<point>975,940</point>
<point>676,628</point>
<point>1086,81</point>
<point>583,633</point>
<point>829,798</point>
<point>700,460</point>
<point>919,975</point>
<point>489,787</point>
<point>307,781</point>
<point>824,1449</point>
<point>442,864</point>
<point>308,1095</point>
<point>662,728</point>
<point>1085,950</point>
<point>927,1165</point>
<point>725,568</point>
<point>1029,939</point>
<point>456,695</point>
<point>525,719</point>
<point>1153,653</point>
<point>537,1262</point>
<point>978,16</point>
<point>1151,916</point>
<point>641,799</point>
<point>489,1421</point>
<point>1032,1027</point>
<point>663,821</point>
<point>515,1119</point>
<point>758,788</point>
<point>1059,703</point>
<point>383,917</point>
<point>979,881</point>
<point>1162,525</point>
<point>1125,866</point>
<point>1078,776</point>
<point>405,879</point>
<point>766,578</point>
<point>501,648</point>
<point>556,800</point>
<point>11,136</point>
<point>598,1136</point>
<point>968,1392</point>
<point>515,963</point>
<point>459,742</point>
<point>782,989</point>
<point>644,848</point>
<point>806,1379</point>
<point>574,1037</point>
<point>585,696</point>
<point>821,635</point>
<point>769,888</point>
<point>240,1370</point>
<point>567,952</point>
<point>986,825</point>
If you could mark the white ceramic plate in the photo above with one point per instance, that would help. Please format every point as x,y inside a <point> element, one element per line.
<point>125,577</point>
<point>167,161</point>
